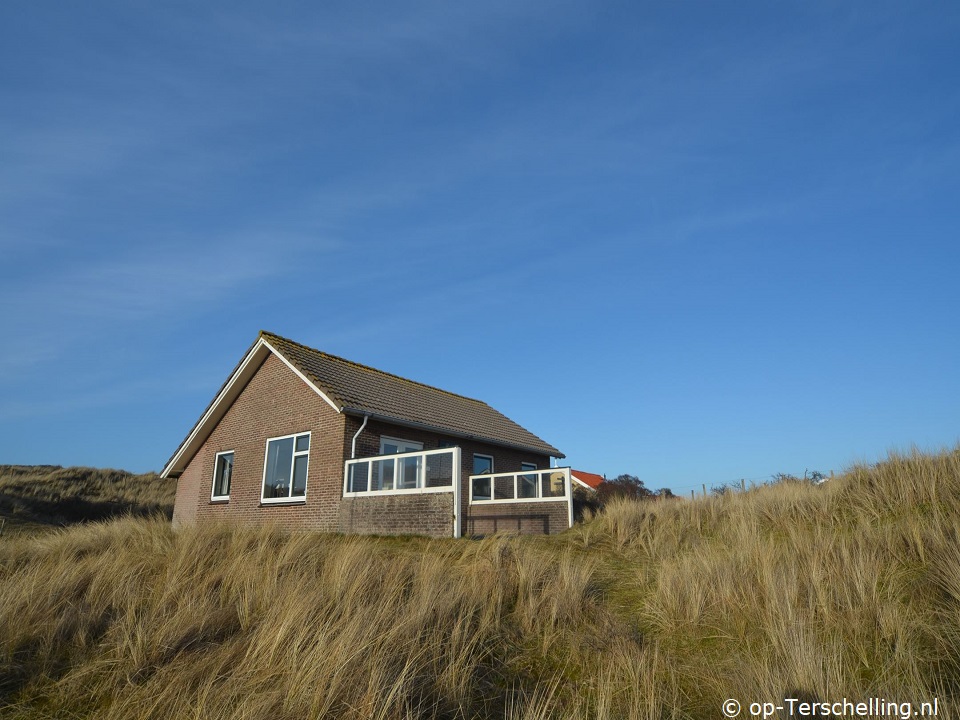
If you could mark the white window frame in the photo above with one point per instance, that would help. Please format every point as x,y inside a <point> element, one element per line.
<point>412,446</point>
<point>399,441</point>
<point>515,475</point>
<point>524,468</point>
<point>422,454</point>
<point>490,472</point>
<point>489,457</point>
<point>213,489</point>
<point>290,499</point>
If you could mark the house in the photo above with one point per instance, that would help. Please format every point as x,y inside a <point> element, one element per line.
<point>585,480</point>
<point>309,440</point>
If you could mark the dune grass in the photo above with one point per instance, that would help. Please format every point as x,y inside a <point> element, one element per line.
<point>37,497</point>
<point>649,610</point>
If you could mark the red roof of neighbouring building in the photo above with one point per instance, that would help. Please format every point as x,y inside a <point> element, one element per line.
<point>591,480</point>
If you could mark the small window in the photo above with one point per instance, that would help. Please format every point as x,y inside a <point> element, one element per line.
<point>285,469</point>
<point>392,446</point>
<point>222,474</point>
<point>482,464</point>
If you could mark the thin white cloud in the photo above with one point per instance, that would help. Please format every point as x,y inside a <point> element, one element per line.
<point>114,392</point>
<point>50,311</point>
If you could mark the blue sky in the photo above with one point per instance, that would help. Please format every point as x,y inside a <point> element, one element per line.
<point>690,241</point>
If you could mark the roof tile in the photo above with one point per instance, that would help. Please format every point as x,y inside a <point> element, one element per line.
<point>361,390</point>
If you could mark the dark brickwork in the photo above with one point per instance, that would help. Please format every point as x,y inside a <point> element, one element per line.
<point>277,402</point>
<point>547,515</point>
<point>414,514</point>
<point>528,518</point>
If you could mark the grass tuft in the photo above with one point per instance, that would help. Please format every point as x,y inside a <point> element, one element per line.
<point>648,610</point>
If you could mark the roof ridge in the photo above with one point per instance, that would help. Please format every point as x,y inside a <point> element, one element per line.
<point>373,369</point>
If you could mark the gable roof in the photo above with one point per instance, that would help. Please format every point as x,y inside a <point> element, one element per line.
<point>356,389</point>
<point>590,480</point>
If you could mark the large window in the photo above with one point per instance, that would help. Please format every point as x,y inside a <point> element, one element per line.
<point>222,473</point>
<point>413,471</point>
<point>285,469</point>
<point>526,485</point>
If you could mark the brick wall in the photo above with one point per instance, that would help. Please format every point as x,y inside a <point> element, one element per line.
<point>522,517</point>
<point>414,514</point>
<point>274,403</point>
<point>277,402</point>
<point>504,460</point>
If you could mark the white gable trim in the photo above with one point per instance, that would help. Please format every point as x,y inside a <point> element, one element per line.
<point>303,377</point>
<point>231,390</point>
<point>576,479</point>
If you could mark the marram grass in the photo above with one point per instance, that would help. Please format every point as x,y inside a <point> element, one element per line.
<point>651,610</point>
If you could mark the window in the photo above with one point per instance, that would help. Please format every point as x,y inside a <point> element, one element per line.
<point>391,446</point>
<point>222,473</point>
<point>482,465</point>
<point>406,468</point>
<point>553,485</point>
<point>285,468</point>
<point>416,471</point>
<point>527,484</point>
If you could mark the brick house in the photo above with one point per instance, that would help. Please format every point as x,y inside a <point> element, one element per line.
<point>309,440</point>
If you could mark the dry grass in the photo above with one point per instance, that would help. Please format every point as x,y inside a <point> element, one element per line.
<point>658,610</point>
<point>35,497</point>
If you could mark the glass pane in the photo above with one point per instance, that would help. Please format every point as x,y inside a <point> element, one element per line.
<point>276,483</point>
<point>383,474</point>
<point>391,447</point>
<point>552,484</point>
<point>527,486</point>
<point>303,443</point>
<point>299,475</point>
<point>481,488</point>
<point>439,470</point>
<point>408,472</point>
<point>482,464</point>
<point>503,487</point>
<point>222,475</point>
<point>358,478</point>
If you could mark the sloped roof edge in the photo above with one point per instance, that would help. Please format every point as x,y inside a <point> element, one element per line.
<point>591,481</point>
<point>370,391</point>
<point>228,392</point>
<point>267,343</point>
<point>248,365</point>
<point>359,412</point>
